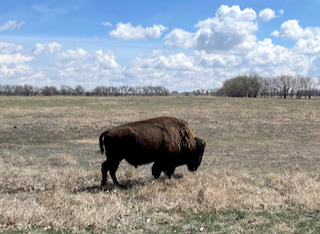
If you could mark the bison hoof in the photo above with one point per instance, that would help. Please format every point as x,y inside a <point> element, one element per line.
<point>120,186</point>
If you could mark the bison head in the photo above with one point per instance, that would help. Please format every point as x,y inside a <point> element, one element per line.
<point>196,157</point>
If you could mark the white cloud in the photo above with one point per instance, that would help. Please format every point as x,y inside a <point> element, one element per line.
<point>315,69</point>
<point>205,69</point>
<point>12,61</point>
<point>231,28</point>
<point>215,60</point>
<point>70,57</point>
<point>176,71</point>
<point>10,25</point>
<point>270,59</point>
<point>292,30</point>
<point>266,15</point>
<point>90,68</point>
<point>180,38</point>
<point>47,48</point>
<point>172,62</point>
<point>81,58</point>
<point>128,32</point>
<point>310,45</point>
<point>105,60</point>
<point>14,58</point>
<point>308,39</point>
<point>107,24</point>
<point>71,67</point>
<point>9,48</point>
<point>13,72</point>
<point>12,65</point>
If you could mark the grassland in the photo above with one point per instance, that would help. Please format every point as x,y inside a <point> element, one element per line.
<point>260,172</point>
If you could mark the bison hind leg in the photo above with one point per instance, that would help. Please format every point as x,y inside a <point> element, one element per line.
<point>112,167</point>
<point>104,170</point>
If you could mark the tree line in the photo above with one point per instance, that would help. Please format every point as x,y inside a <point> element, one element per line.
<point>254,85</point>
<point>28,90</point>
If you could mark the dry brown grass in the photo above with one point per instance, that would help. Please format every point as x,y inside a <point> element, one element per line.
<point>261,156</point>
<point>67,197</point>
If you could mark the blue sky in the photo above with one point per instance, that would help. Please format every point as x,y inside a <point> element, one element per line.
<point>182,45</point>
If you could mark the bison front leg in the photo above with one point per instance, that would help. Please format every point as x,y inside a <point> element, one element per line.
<point>157,168</point>
<point>169,171</point>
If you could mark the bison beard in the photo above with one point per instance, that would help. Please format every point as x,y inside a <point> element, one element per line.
<point>168,142</point>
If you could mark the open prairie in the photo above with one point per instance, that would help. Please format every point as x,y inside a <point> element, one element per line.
<point>260,171</point>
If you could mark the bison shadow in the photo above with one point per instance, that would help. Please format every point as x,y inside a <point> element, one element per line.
<point>126,184</point>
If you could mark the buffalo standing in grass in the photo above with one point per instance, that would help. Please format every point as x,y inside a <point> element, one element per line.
<point>168,142</point>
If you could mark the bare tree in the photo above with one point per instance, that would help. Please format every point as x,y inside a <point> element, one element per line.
<point>18,90</point>
<point>242,86</point>
<point>97,91</point>
<point>66,90</point>
<point>124,90</point>
<point>299,85</point>
<point>265,86</point>
<point>36,91</point>
<point>27,90</point>
<point>49,91</point>
<point>253,85</point>
<point>285,84</point>
<point>8,90</point>
<point>309,84</point>
<point>276,87</point>
<point>79,90</point>
<point>294,86</point>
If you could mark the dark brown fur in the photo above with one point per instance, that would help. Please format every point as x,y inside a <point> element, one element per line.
<point>168,142</point>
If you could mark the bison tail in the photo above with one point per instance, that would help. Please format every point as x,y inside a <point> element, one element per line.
<point>101,141</point>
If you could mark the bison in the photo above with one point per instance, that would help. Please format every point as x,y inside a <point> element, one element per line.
<point>166,141</point>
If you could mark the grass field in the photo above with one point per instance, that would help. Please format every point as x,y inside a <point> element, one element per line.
<point>260,172</point>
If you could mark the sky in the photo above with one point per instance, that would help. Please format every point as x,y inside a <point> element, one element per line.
<point>182,45</point>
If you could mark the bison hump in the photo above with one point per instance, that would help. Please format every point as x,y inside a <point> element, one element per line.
<point>177,139</point>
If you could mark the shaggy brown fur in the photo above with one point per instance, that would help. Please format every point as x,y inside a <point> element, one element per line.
<point>168,142</point>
